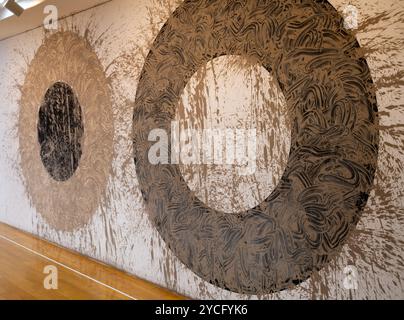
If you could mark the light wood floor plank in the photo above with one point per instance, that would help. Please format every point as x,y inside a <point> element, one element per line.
<point>23,258</point>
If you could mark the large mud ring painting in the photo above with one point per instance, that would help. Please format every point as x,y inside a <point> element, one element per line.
<point>66,158</point>
<point>334,149</point>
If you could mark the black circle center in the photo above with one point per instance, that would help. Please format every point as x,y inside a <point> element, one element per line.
<point>60,131</point>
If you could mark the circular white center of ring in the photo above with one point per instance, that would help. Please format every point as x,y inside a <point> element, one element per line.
<point>241,105</point>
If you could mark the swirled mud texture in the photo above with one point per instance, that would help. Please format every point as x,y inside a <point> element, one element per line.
<point>329,93</point>
<point>66,195</point>
<point>60,131</point>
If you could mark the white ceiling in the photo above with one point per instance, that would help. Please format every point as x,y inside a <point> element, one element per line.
<point>33,16</point>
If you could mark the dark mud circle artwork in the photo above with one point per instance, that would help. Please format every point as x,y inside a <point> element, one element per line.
<point>60,131</point>
<point>326,81</point>
<point>65,130</point>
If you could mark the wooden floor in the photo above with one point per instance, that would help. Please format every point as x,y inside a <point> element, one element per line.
<point>23,258</point>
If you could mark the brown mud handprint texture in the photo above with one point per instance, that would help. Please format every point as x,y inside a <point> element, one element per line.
<point>332,107</point>
<point>65,131</point>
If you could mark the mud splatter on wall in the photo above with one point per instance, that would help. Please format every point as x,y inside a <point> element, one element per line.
<point>302,225</point>
<point>67,204</point>
<point>119,231</point>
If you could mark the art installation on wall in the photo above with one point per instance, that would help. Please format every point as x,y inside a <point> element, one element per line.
<point>79,103</point>
<point>60,131</point>
<point>66,148</point>
<point>333,157</point>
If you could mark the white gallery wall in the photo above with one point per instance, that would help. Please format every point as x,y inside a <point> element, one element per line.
<point>119,231</point>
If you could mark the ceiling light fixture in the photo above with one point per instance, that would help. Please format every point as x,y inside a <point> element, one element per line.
<point>14,7</point>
